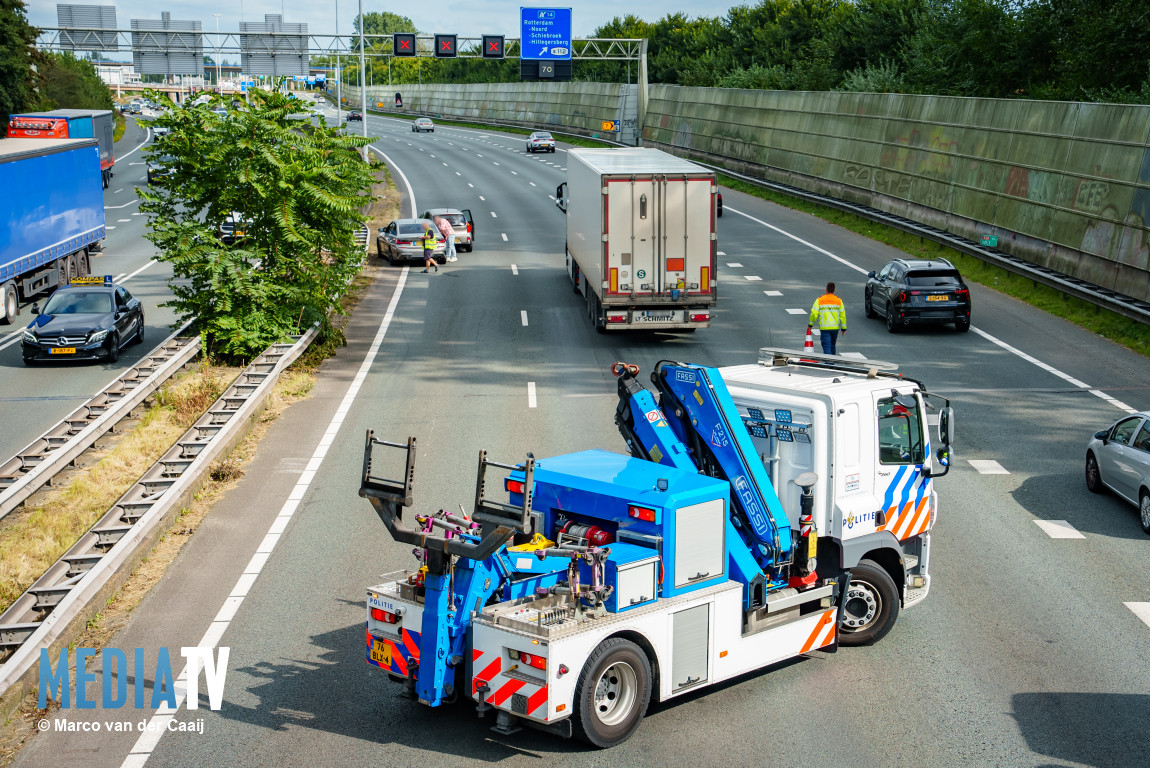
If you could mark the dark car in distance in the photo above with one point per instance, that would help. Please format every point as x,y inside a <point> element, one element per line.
<point>353,115</point>
<point>917,292</point>
<point>91,318</point>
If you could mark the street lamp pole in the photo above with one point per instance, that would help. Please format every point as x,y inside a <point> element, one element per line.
<point>362,79</point>
<point>338,71</point>
<point>219,86</point>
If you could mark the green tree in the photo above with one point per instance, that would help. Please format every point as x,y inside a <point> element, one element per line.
<point>72,83</point>
<point>296,187</point>
<point>19,60</point>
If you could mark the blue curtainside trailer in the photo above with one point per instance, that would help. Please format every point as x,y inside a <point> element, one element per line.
<point>52,217</point>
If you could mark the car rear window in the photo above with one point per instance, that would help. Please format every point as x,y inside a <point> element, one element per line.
<point>410,229</point>
<point>456,219</point>
<point>928,278</point>
<point>78,303</point>
<point>543,136</point>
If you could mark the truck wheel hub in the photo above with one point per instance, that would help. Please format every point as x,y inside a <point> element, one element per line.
<point>862,605</point>
<point>615,693</point>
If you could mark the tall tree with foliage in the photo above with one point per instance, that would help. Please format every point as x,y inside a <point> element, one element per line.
<point>296,188</point>
<point>18,61</point>
<point>72,83</point>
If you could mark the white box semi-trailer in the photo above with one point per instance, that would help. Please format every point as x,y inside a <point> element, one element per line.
<point>641,239</point>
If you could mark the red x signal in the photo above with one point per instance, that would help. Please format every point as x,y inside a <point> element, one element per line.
<point>405,45</point>
<point>445,45</point>
<point>493,47</point>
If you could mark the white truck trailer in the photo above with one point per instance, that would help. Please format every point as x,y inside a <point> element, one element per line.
<point>641,239</point>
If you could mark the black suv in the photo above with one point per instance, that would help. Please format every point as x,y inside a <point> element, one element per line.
<point>908,291</point>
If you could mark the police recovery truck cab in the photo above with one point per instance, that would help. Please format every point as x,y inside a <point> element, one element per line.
<point>765,511</point>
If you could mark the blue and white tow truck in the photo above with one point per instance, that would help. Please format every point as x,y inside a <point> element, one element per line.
<point>765,511</point>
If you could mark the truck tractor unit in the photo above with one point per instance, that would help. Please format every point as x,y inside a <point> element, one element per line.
<point>762,512</point>
<point>97,124</point>
<point>55,223</point>
<point>641,241</point>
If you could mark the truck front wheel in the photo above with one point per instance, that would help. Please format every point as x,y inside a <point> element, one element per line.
<point>11,305</point>
<point>870,606</point>
<point>612,694</point>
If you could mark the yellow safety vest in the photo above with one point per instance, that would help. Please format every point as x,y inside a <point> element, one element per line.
<point>828,313</point>
<point>428,242</point>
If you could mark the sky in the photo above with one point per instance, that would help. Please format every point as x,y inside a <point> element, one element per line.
<point>462,17</point>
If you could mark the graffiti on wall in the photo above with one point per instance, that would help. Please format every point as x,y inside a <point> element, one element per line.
<point>937,161</point>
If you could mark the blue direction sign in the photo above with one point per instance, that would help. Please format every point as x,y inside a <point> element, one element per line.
<point>545,34</point>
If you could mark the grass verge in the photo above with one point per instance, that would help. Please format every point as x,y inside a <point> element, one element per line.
<point>1129,333</point>
<point>33,539</point>
<point>121,124</point>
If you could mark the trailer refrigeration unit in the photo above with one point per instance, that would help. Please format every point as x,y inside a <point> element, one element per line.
<point>52,218</point>
<point>97,124</point>
<point>765,511</point>
<point>641,242</point>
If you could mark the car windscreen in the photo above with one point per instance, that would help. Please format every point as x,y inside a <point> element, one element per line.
<point>79,303</point>
<point>931,278</point>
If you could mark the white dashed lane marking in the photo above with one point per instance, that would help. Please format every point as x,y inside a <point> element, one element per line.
<point>752,278</point>
<point>532,183</point>
<point>494,215</point>
<point>720,253</point>
<point>773,293</point>
<point>1141,610</point>
<point>734,264</point>
<point>1059,529</point>
<point>987,466</point>
<point>793,311</point>
<point>523,316</point>
<point>514,270</point>
<point>530,393</point>
<point>504,236</point>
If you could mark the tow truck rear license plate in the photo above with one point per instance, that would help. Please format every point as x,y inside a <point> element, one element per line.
<point>655,317</point>
<point>939,297</point>
<point>380,653</point>
<point>62,351</point>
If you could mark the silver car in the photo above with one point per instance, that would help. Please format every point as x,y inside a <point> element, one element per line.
<point>423,124</point>
<point>402,240</point>
<point>461,222</point>
<point>1118,459</point>
<point>541,141</point>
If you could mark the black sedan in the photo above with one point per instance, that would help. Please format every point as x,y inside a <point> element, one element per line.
<point>918,291</point>
<point>161,168</point>
<point>353,115</point>
<point>89,319</point>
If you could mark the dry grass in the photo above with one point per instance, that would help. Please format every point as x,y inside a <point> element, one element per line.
<point>47,529</point>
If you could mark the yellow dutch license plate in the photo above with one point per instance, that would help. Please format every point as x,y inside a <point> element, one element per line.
<point>380,653</point>
<point>942,297</point>
<point>62,351</point>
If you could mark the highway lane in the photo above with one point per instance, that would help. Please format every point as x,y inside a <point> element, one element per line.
<point>1022,642</point>
<point>34,399</point>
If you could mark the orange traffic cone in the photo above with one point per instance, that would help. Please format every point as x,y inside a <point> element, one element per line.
<point>809,344</point>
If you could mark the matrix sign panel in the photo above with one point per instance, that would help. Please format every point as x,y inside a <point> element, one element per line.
<point>445,46</point>
<point>545,34</point>
<point>403,44</point>
<point>494,46</point>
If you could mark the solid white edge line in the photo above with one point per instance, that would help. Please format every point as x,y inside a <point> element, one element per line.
<point>147,136</point>
<point>992,339</point>
<point>149,740</point>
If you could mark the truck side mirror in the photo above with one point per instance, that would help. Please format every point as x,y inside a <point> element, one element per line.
<point>946,426</point>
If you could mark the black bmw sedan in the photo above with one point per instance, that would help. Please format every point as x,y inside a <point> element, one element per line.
<point>89,319</point>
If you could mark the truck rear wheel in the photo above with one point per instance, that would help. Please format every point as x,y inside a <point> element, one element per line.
<point>612,694</point>
<point>11,305</point>
<point>870,606</point>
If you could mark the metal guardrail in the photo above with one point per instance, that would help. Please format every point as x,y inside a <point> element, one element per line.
<point>39,616</point>
<point>44,457</point>
<point>1113,301</point>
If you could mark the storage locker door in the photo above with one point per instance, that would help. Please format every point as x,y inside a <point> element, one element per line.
<point>699,552</point>
<point>689,647</point>
<point>636,584</point>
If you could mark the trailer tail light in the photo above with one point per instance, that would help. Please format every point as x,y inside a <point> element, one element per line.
<point>513,486</point>
<point>641,513</point>
<point>700,317</point>
<point>384,617</point>
<point>530,659</point>
<point>616,318</point>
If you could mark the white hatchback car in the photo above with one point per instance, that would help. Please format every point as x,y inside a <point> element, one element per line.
<point>540,141</point>
<point>1118,459</point>
<point>423,124</point>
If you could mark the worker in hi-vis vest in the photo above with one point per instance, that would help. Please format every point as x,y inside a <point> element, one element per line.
<point>830,315</point>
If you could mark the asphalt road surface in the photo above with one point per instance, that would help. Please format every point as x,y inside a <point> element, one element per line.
<point>1025,652</point>
<point>34,399</point>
